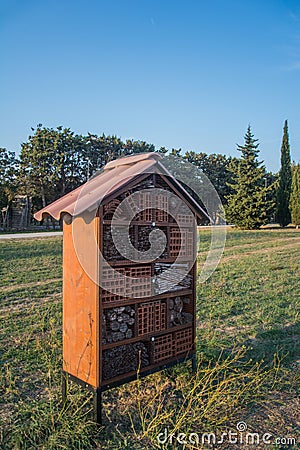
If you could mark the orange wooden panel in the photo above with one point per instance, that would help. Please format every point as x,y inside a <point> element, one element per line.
<point>81,300</point>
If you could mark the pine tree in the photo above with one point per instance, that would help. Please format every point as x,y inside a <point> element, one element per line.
<point>295,196</point>
<point>248,205</point>
<point>285,181</point>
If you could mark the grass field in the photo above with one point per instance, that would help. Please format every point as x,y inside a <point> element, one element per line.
<point>248,328</point>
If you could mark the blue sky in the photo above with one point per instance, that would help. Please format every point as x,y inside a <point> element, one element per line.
<point>189,74</point>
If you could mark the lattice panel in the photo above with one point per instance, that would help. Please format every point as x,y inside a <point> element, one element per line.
<point>181,242</point>
<point>145,205</point>
<point>161,205</point>
<point>163,348</point>
<point>137,284</point>
<point>183,341</point>
<point>185,219</point>
<point>151,317</point>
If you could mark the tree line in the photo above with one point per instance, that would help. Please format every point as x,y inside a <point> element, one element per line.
<point>53,162</point>
<point>255,194</point>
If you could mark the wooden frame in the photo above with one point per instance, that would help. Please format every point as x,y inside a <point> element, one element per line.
<point>83,306</point>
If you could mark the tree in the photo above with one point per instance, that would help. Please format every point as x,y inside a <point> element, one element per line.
<point>99,150</point>
<point>271,179</point>
<point>51,163</point>
<point>8,176</point>
<point>215,167</point>
<point>37,171</point>
<point>248,204</point>
<point>131,147</point>
<point>68,167</point>
<point>285,181</point>
<point>295,196</point>
<point>56,161</point>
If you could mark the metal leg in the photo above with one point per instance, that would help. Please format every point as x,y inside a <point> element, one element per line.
<point>64,386</point>
<point>194,363</point>
<point>98,406</point>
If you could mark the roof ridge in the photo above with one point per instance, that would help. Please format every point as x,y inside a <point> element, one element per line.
<point>131,159</point>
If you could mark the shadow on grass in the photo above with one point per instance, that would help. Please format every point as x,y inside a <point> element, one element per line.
<point>284,341</point>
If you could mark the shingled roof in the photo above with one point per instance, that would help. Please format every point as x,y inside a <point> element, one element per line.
<point>114,175</point>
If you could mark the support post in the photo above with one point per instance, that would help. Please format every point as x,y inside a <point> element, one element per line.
<point>98,406</point>
<point>194,362</point>
<point>64,386</point>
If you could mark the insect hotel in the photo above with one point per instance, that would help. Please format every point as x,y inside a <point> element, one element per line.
<point>129,274</point>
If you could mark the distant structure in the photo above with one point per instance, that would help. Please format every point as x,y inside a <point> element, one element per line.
<point>17,215</point>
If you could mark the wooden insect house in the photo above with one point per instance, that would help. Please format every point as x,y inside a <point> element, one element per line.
<point>129,274</point>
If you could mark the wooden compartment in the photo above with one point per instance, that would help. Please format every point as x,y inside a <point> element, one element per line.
<point>180,310</point>
<point>151,317</point>
<point>124,359</point>
<point>183,341</point>
<point>162,348</point>
<point>182,243</point>
<point>139,281</point>
<point>118,324</point>
<point>112,280</point>
<point>126,282</point>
